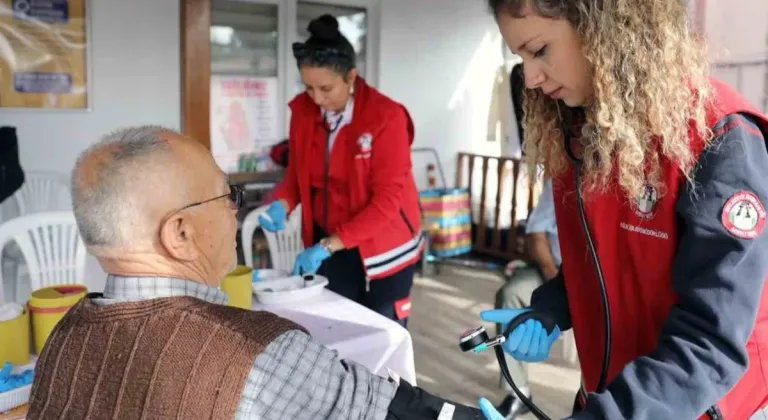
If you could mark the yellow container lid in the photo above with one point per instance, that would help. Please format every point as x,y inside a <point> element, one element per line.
<point>58,296</point>
<point>240,270</point>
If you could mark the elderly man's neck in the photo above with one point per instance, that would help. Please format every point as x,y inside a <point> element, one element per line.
<point>129,263</point>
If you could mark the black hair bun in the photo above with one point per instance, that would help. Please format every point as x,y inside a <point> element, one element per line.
<point>325,27</point>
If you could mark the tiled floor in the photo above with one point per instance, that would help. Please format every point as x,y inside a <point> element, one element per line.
<point>445,305</point>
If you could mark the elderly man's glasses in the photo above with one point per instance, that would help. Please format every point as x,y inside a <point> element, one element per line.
<point>235,196</point>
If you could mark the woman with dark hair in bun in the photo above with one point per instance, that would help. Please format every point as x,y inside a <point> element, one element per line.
<point>350,167</point>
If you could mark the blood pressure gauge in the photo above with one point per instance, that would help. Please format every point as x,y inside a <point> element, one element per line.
<point>477,340</point>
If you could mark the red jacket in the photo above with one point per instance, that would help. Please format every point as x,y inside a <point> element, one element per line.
<point>382,195</point>
<point>279,153</point>
<point>683,292</point>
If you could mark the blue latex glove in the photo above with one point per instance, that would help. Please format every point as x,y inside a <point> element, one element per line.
<point>5,372</point>
<point>273,219</point>
<point>9,381</point>
<point>528,342</point>
<point>309,261</point>
<point>489,411</point>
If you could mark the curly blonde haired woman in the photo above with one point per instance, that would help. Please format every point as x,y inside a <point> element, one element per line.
<point>671,170</point>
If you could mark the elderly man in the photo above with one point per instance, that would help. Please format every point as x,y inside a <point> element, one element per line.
<point>156,211</point>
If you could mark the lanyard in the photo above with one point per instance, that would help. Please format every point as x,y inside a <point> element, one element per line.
<point>330,130</point>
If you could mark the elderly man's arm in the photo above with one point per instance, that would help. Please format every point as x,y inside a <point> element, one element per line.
<point>540,227</point>
<point>297,378</point>
<point>537,245</point>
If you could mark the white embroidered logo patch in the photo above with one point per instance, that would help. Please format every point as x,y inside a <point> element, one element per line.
<point>646,203</point>
<point>744,215</point>
<point>365,142</point>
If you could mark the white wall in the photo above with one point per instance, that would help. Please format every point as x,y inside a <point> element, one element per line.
<point>436,56</point>
<point>439,57</point>
<point>136,80</point>
<point>737,31</point>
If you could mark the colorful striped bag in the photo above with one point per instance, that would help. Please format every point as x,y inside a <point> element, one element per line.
<point>447,220</point>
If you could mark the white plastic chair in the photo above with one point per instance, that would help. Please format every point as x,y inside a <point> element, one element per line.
<point>51,246</point>
<point>284,246</point>
<point>42,191</point>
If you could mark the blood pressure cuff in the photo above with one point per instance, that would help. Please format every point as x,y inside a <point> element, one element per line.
<point>413,403</point>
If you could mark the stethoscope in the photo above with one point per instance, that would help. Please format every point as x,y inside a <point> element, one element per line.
<point>477,339</point>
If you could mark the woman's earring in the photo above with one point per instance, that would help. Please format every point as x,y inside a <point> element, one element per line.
<point>351,89</point>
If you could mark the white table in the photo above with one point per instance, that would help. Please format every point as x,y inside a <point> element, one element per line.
<point>356,332</point>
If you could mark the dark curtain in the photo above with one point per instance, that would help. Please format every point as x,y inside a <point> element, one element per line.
<point>11,174</point>
<point>517,84</point>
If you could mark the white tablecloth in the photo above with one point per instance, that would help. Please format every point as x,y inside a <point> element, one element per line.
<point>356,332</point>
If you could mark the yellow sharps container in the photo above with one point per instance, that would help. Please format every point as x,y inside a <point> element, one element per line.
<point>48,305</point>
<point>14,336</point>
<point>238,287</point>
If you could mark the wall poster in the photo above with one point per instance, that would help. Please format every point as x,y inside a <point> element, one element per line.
<point>43,54</point>
<point>244,122</point>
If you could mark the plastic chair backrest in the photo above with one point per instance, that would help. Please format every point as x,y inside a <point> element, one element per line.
<point>51,245</point>
<point>284,246</point>
<point>42,191</point>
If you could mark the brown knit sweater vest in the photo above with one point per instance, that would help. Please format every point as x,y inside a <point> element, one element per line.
<point>169,358</point>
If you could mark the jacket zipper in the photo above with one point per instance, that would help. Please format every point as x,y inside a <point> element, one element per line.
<point>325,180</point>
<point>328,133</point>
<point>714,413</point>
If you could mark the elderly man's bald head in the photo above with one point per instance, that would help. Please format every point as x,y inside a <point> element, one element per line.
<point>122,185</point>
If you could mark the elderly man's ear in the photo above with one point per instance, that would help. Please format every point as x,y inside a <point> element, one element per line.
<point>177,235</point>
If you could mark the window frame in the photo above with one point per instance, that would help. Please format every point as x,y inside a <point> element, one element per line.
<point>195,16</point>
